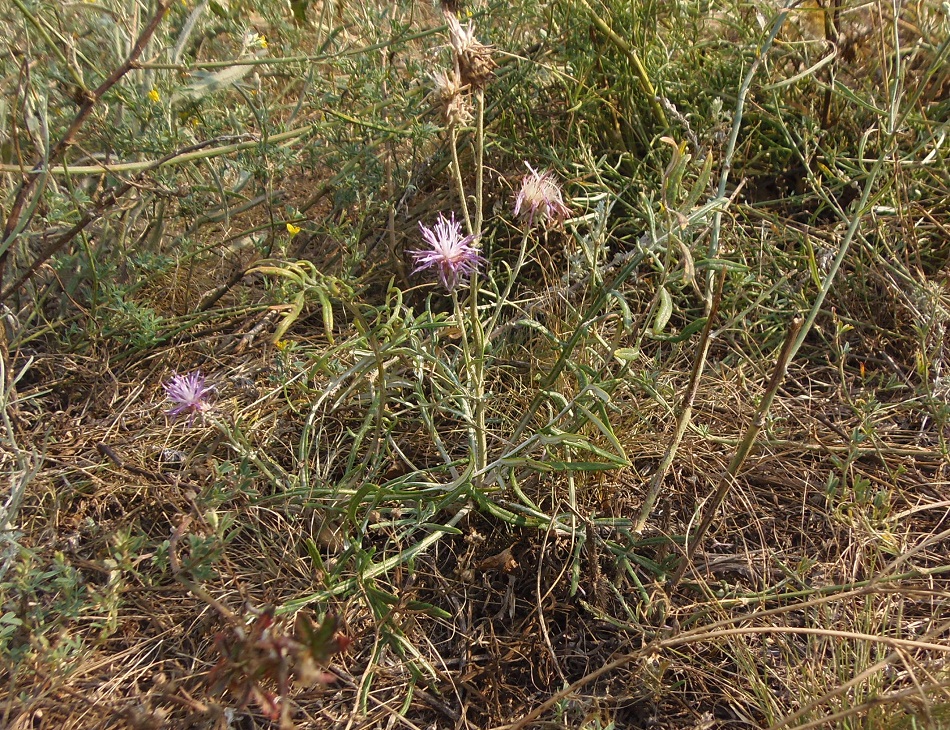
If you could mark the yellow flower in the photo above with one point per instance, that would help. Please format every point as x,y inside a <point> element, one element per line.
<point>154,96</point>
<point>263,41</point>
<point>292,229</point>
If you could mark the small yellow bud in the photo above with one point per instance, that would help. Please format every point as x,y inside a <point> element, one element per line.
<point>154,96</point>
<point>292,229</point>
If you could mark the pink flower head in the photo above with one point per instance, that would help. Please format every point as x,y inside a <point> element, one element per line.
<point>188,394</point>
<point>540,191</point>
<point>450,253</point>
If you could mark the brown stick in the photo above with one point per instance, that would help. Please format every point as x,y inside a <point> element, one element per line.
<point>90,99</point>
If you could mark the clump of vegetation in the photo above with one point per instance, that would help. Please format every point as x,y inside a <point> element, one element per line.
<point>578,364</point>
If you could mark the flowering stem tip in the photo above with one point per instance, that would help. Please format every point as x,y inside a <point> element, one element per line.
<point>450,253</point>
<point>540,198</point>
<point>188,394</point>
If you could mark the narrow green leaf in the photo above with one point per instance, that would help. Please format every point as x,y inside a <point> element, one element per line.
<point>700,186</point>
<point>663,312</point>
<point>627,354</point>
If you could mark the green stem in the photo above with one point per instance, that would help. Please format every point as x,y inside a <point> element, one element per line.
<point>479,158</point>
<point>170,159</point>
<point>728,479</point>
<point>638,67</point>
<point>457,174</point>
<point>478,331</point>
<point>686,410</point>
<point>503,299</point>
<point>471,377</point>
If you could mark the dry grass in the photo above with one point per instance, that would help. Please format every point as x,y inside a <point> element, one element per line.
<point>800,589</point>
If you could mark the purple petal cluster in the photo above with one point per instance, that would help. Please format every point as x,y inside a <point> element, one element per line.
<point>188,394</point>
<point>450,253</point>
<point>540,197</point>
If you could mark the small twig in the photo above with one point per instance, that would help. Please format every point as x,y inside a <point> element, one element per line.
<point>110,454</point>
<point>728,479</point>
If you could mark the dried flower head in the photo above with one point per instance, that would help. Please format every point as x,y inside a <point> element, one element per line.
<point>475,63</point>
<point>540,191</point>
<point>450,96</point>
<point>450,253</point>
<point>188,394</point>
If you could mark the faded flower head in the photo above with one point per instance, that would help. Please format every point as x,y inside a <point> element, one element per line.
<point>450,253</point>
<point>450,97</point>
<point>475,63</point>
<point>540,191</point>
<point>188,394</point>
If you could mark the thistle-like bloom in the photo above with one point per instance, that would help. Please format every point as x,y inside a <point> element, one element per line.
<point>451,254</point>
<point>540,191</point>
<point>188,394</point>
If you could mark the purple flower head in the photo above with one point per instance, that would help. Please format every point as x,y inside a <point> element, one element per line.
<point>451,254</point>
<point>188,394</point>
<point>540,192</point>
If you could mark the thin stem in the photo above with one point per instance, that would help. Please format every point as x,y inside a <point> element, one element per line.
<point>478,371</point>
<point>686,409</point>
<point>479,158</point>
<point>471,375</point>
<point>631,53</point>
<point>457,173</point>
<point>503,299</point>
<point>728,479</point>
<point>736,126</point>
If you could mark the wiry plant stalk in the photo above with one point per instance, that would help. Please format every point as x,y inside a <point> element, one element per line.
<point>713,296</point>
<point>478,331</point>
<point>474,352</point>
<point>686,409</point>
<point>728,479</point>
<point>459,182</point>
<point>479,158</point>
<point>512,278</point>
